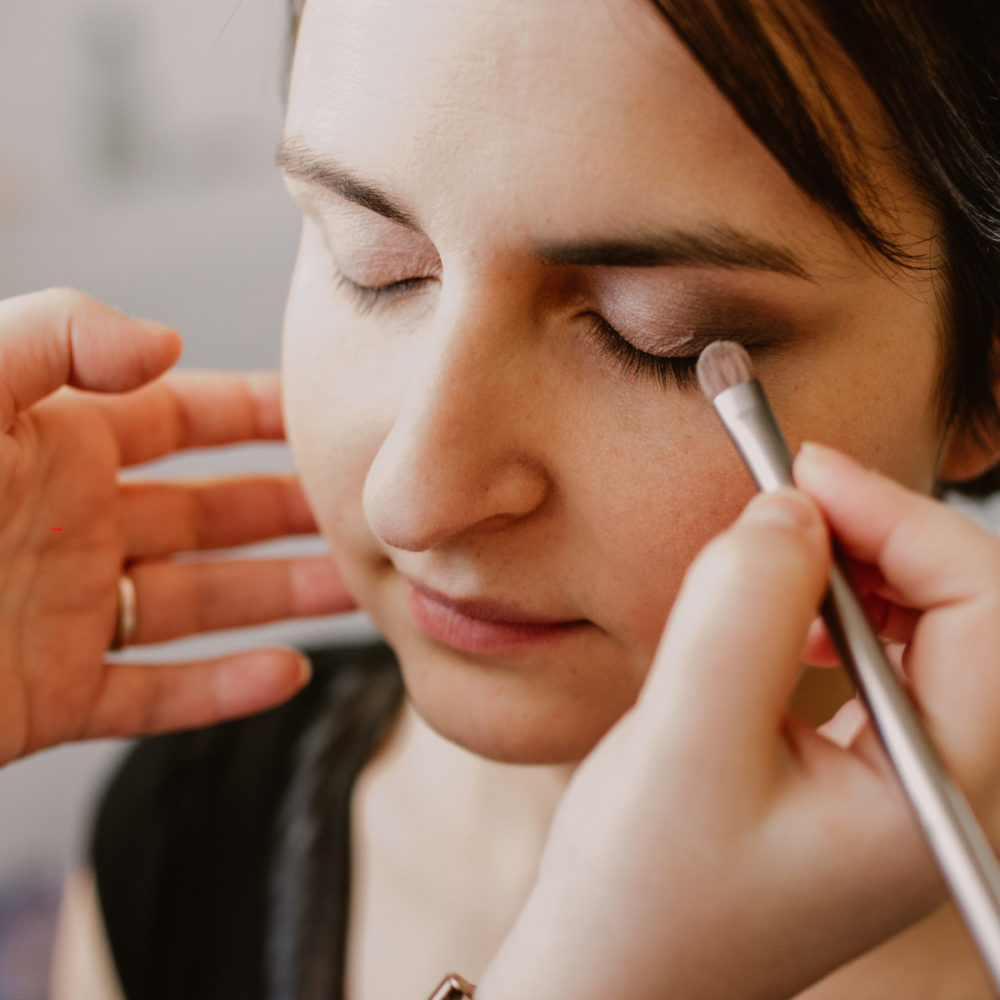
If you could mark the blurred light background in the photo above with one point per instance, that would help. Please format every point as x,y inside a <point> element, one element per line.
<point>136,163</point>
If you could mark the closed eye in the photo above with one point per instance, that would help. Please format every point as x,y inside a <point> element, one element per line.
<point>670,371</point>
<point>370,297</point>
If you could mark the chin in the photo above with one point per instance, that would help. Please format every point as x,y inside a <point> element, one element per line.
<point>512,714</point>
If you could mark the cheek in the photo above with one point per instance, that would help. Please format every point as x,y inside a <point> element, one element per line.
<point>868,386</point>
<point>643,506</point>
<point>657,502</point>
<point>888,424</point>
<point>336,404</point>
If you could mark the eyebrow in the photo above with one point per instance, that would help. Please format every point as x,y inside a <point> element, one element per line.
<point>715,246</point>
<point>297,160</point>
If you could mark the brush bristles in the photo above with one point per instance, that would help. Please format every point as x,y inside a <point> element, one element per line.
<point>722,365</point>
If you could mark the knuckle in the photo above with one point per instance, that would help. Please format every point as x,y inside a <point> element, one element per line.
<point>66,303</point>
<point>63,296</point>
<point>201,514</point>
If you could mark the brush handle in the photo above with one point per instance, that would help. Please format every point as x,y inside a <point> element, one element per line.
<point>960,846</point>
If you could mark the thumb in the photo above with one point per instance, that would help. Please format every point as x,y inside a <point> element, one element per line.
<point>63,337</point>
<point>730,653</point>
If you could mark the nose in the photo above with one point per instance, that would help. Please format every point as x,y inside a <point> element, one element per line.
<point>462,453</point>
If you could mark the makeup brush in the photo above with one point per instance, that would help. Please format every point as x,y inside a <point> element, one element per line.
<point>961,848</point>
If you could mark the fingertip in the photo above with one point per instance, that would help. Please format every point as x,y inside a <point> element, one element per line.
<point>787,509</point>
<point>112,352</point>
<point>251,682</point>
<point>818,649</point>
<point>265,389</point>
<point>305,669</point>
<point>318,588</point>
<point>151,326</point>
<point>167,335</point>
<point>168,345</point>
<point>817,466</point>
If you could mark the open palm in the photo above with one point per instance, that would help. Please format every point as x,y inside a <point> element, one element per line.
<point>68,527</point>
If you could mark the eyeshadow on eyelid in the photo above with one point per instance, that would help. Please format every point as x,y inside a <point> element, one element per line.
<point>377,261</point>
<point>683,329</point>
<point>681,303</point>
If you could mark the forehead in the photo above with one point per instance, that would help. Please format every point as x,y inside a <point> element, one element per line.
<point>533,102</point>
<point>516,120</point>
<point>529,52</point>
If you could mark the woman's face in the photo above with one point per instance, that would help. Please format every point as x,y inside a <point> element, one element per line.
<point>513,491</point>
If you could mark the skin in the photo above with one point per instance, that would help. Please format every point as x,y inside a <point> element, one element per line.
<point>471,433</point>
<point>68,528</point>
<point>752,864</point>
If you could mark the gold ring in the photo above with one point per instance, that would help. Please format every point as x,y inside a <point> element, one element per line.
<point>127,613</point>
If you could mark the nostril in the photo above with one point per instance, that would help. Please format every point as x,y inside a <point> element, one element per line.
<point>417,500</point>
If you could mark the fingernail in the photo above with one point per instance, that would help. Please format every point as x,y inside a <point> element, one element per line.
<point>266,391</point>
<point>305,670</point>
<point>817,461</point>
<point>786,508</point>
<point>152,327</point>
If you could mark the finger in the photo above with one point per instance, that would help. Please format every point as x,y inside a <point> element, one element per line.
<point>178,599</point>
<point>159,519</point>
<point>729,658</point>
<point>62,337</point>
<point>890,621</point>
<point>851,729</point>
<point>928,553</point>
<point>142,699</point>
<point>940,563</point>
<point>195,409</point>
<point>819,650</point>
<point>846,725</point>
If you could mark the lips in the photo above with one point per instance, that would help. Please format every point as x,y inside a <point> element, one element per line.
<point>482,626</point>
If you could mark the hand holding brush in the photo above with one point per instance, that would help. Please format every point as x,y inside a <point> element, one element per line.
<point>960,846</point>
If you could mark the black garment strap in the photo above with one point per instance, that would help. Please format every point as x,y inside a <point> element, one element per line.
<point>310,879</point>
<point>222,855</point>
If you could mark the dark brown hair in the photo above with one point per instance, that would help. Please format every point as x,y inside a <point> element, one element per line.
<point>934,68</point>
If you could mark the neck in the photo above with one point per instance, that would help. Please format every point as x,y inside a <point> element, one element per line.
<point>449,792</point>
<point>446,846</point>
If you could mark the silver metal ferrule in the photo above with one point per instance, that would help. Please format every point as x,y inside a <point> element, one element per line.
<point>748,418</point>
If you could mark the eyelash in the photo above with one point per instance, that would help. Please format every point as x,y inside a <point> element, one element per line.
<point>668,371</point>
<point>367,298</point>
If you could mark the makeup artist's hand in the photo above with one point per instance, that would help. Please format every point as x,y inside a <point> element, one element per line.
<point>67,528</point>
<point>710,846</point>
